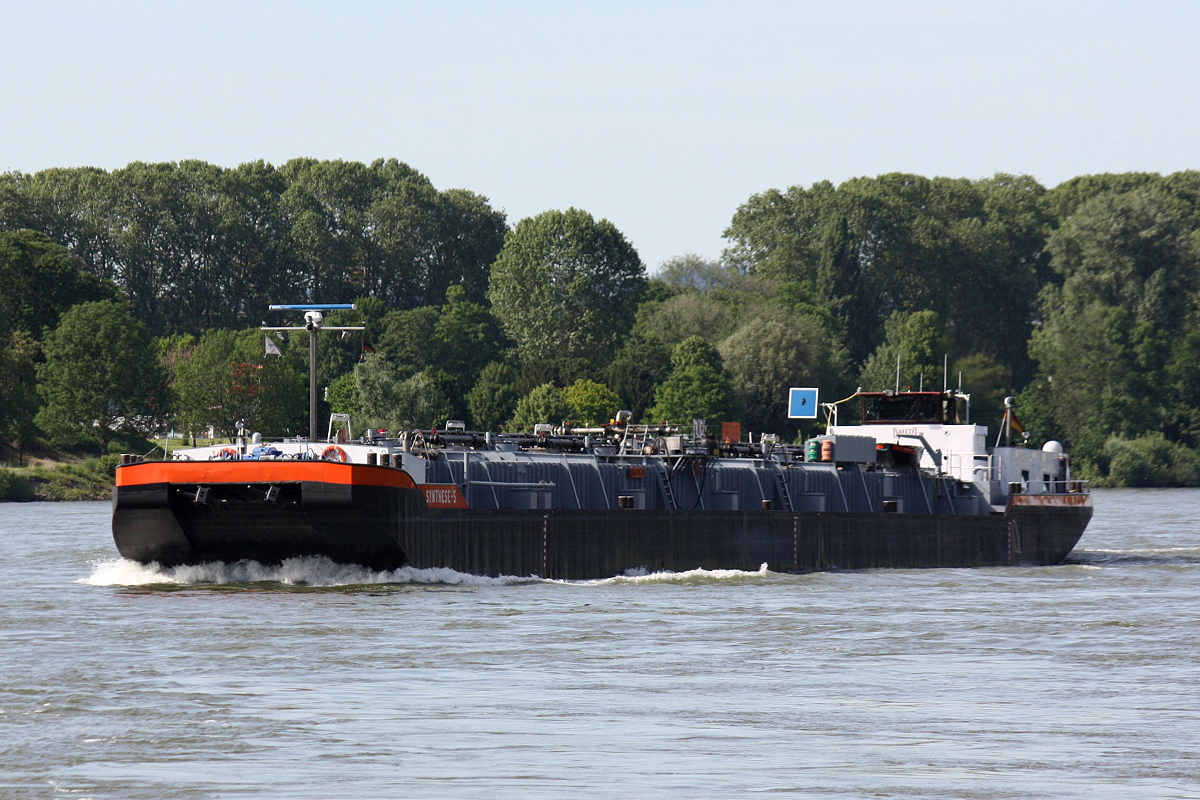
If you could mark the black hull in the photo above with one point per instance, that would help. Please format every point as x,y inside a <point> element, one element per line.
<point>388,527</point>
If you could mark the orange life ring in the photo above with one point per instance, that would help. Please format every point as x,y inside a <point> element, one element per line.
<point>333,453</point>
<point>228,454</point>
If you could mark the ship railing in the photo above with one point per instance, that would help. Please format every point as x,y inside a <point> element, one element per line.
<point>972,466</point>
<point>1053,486</point>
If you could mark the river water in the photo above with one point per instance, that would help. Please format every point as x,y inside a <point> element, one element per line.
<point>1075,681</point>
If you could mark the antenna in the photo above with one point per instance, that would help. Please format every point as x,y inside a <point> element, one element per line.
<point>945,370</point>
<point>897,373</point>
<point>312,323</point>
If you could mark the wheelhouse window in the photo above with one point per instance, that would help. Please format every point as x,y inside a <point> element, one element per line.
<point>930,407</point>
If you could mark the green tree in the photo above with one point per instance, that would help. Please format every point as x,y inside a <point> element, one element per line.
<point>691,273</point>
<point>698,386</point>
<point>777,234</point>
<point>1112,349</point>
<point>767,356</point>
<point>384,398</point>
<point>682,316</point>
<point>1182,373</point>
<point>969,251</point>
<point>635,373</point>
<point>593,403</point>
<point>257,263</point>
<point>100,379</point>
<point>406,337</point>
<point>565,285</point>
<point>988,382</point>
<point>38,282</point>
<point>226,377</point>
<point>919,342</point>
<point>422,401</point>
<point>18,391</point>
<point>1004,265</point>
<point>494,396</point>
<point>699,392</point>
<point>458,338</point>
<point>546,403</point>
<point>470,236</point>
<point>1093,379</point>
<point>195,246</point>
<point>838,285</point>
<point>1130,251</point>
<point>376,391</point>
<point>75,208</point>
<point>382,229</point>
<point>341,394</point>
<point>695,351</point>
<point>332,207</point>
<point>1064,200</point>
<point>466,337</point>
<point>165,218</point>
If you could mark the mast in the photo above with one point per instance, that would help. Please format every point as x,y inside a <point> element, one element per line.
<point>313,327</point>
<point>313,314</point>
<point>1008,407</point>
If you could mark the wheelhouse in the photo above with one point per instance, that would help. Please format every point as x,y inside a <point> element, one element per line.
<point>933,408</point>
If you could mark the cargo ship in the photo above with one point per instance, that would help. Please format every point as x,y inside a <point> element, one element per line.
<point>912,484</point>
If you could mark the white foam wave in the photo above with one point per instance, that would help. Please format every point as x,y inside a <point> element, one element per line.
<point>312,571</point>
<point>305,571</point>
<point>1141,550</point>
<point>1144,556</point>
<point>691,577</point>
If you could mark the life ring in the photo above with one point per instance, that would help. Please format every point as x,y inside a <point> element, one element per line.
<point>228,454</point>
<point>333,453</point>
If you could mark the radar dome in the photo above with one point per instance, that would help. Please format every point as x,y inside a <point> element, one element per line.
<point>1052,447</point>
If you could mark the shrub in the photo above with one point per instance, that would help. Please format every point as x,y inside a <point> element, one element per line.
<point>1151,460</point>
<point>14,486</point>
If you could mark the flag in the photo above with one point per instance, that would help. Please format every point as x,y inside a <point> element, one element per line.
<point>272,348</point>
<point>366,348</point>
<point>1016,423</point>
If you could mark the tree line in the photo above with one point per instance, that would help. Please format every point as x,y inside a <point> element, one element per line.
<point>193,246</point>
<point>1080,299</point>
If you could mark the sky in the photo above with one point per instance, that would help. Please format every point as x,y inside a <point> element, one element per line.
<point>663,117</point>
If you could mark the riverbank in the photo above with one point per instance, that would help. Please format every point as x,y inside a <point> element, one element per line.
<point>46,473</point>
<point>87,479</point>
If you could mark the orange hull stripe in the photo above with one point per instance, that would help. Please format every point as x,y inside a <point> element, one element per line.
<point>148,472</point>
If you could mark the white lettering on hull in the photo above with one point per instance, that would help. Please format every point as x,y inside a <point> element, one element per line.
<point>443,495</point>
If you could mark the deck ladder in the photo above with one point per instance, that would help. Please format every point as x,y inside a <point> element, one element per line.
<point>785,495</point>
<point>664,481</point>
